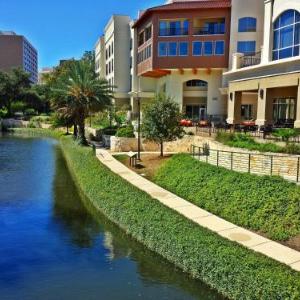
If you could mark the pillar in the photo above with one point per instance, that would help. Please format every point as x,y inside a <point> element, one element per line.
<point>297,122</point>
<point>234,107</point>
<point>261,106</point>
<point>268,34</point>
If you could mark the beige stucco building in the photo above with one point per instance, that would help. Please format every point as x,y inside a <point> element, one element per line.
<point>265,88</point>
<point>112,57</point>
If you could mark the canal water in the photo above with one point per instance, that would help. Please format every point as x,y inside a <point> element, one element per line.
<point>53,247</point>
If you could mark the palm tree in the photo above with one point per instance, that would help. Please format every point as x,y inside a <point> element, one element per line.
<point>78,92</point>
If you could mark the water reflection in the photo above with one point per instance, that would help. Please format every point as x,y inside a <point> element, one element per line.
<point>55,246</point>
<point>83,224</point>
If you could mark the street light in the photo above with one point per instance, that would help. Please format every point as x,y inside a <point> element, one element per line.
<point>138,99</point>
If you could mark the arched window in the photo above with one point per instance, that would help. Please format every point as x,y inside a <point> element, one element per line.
<point>286,35</point>
<point>196,83</point>
<point>247,24</point>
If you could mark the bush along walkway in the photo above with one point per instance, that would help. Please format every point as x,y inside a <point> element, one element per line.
<point>202,217</point>
<point>231,269</point>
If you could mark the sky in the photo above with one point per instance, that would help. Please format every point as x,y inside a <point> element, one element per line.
<point>62,29</point>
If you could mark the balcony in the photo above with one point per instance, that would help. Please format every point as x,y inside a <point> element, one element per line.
<point>251,60</point>
<point>209,31</point>
<point>173,31</point>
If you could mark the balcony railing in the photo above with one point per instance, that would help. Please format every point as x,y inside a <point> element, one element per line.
<point>251,60</point>
<point>209,31</point>
<point>173,31</point>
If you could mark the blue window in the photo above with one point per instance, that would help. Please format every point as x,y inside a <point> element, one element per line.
<point>246,47</point>
<point>162,49</point>
<point>286,35</point>
<point>197,48</point>
<point>183,48</point>
<point>247,24</point>
<point>172,49</point>
<point>208,48</point>
<point>220,48</point>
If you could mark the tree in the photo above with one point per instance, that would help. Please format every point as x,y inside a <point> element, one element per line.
<point>13,87</point>
<point>77,92</point>
<point>161,121</point>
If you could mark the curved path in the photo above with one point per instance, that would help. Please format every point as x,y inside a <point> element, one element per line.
<point>225,229</point>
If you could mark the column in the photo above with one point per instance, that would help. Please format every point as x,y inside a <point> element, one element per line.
<point>297,122</point>
<point>234,107</point>
<point>268,36</point>
<point>261,106</point>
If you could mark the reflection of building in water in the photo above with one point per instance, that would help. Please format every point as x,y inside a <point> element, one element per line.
<point>115,251</point>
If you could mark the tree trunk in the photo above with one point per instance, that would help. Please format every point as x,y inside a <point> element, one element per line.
<point>75,130</point>
<point>67,129</point>
<point>81,137</point>
<point>161,148</point>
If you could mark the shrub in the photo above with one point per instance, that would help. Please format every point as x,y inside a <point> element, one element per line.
<point>110,130</point>
<point>127,132</point>
<point>233,270</point>
<point>292,149</point>
<point>266,204</point>
<point>286,133</point>
<point>29,112</point>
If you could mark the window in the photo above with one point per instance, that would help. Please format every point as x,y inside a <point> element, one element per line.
<point>246,47</point>
<point>141,38</point>
<point>196,83</point>
<point>148,33</point>
<point>219,48</point>
<point>286,35</point>
<point>162,49</point>
<point>208,48</point>
<point>173,27</point>
<point>247,112</point>
<point>197,48</point>
<point>247,24</point>
<point>284,110</point>
<point>215,27</point>
<point>196,112</point>
<point>172,49</point>
<point>183,48</point>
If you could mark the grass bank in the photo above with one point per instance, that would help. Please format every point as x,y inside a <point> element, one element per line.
<point>37,132</point>
<point>229,268</point>
<point>269,205</point>
<point>245,141</point>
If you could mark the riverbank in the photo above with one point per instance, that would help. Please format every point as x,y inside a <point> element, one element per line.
<point>231,269</point>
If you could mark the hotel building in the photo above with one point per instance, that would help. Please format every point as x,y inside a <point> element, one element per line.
<point>183,50</point>
<point>113,58</point>
<point>17,52</point>
<point>265,86</point>
<point>234,60</point>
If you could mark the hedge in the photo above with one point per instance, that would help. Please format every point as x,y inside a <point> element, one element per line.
<point>266,204</point>
<point>233,270</point>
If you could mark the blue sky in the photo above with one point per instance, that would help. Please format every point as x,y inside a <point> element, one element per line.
<point>61,29</point>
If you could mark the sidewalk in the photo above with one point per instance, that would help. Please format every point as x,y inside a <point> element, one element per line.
<point>225,229</point>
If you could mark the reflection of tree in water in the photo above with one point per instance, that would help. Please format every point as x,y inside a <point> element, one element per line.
<point>84,223</point>
<point>152,268</point>
<point>68,208</point>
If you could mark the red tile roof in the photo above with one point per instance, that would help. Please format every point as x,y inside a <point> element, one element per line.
<point>185,5</point>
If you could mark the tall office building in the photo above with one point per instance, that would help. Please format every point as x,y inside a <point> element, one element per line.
<point>17,52</point>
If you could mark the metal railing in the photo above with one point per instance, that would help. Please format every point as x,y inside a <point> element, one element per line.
<point>209,31</point>
<point>173,31</point>
<point>287,166</point>
<point>251,60</point>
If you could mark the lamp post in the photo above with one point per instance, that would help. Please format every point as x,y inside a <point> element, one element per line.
<point>139,127</point>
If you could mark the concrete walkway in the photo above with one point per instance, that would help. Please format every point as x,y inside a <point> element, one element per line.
<point>225,229</point>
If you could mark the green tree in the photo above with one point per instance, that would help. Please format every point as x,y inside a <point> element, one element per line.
<point>13,87</point>
<point>161,121</point>
<point>78,92</point>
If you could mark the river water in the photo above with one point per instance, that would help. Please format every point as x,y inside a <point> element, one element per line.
<point>52,246</point>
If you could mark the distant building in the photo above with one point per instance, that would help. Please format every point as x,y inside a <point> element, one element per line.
<point>16,51</point>
<point>43,72</point>
<point>112,57</point>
